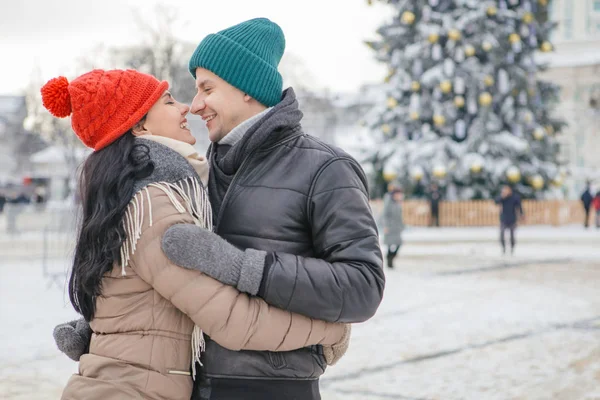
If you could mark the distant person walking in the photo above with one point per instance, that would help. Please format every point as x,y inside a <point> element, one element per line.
<point>596,204</point>
<point>2,200</point>
<point>392,222</point>
<point>586,199</point>
<point>39,196</point>
<point>511,212</point>
<point>435,197</point>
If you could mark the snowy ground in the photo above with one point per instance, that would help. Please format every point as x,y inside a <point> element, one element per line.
<point>458,321</point>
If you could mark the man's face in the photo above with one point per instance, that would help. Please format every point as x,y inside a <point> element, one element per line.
<point>221,106</point>
<point>506,191</point>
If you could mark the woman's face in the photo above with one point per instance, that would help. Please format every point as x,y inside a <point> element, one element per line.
<point>167,118</point>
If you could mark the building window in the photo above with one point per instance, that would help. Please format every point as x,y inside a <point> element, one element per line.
<point>593,18</point>
<point>568,20</point>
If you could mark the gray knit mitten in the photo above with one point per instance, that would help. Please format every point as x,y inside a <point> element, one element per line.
<point>335,352</point>
<point>192,247</point>
<point>73,338</point>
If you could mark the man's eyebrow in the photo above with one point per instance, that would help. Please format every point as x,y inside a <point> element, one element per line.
<point>204,83</point>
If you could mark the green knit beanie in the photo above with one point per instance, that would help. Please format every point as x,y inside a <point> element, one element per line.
<point>246,56</point>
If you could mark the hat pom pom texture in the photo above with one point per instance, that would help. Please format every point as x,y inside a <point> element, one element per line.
<point>56,97</point>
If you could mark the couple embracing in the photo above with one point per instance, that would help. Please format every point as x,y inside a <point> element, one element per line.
<point>231,276</point>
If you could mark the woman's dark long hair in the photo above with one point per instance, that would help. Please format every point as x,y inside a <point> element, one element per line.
<point>105,188</point>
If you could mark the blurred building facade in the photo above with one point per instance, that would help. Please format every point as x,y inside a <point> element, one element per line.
<point>575,65</point>
<point>12,114</point>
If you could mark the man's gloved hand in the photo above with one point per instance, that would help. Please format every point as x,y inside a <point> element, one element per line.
<point>334,353</point>
<point>73,338</point>
<point>192,247</point>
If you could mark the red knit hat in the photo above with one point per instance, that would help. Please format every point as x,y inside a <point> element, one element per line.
<point>104,104</point>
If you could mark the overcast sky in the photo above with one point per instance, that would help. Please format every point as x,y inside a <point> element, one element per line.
<point>327,35</point>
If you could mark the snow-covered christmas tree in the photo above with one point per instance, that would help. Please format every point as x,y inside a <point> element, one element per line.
<point>464,107</point>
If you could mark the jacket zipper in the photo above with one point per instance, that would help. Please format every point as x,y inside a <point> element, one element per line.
<point>176,372</point>
<point>237,175</point>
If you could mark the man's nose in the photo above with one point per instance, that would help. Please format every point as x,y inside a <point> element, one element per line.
<point>197,105</point>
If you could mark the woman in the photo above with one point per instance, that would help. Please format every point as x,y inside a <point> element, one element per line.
<point>393,224</point>
<point>596,204</point>
<point>147,313</point>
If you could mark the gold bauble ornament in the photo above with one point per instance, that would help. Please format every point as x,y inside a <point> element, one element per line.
<point>439,120</point>
<point>543,2</point>
<point>469,50</point>
<point>513,174</point>
<point>385,128</point>
<point>408,17</point>
<point>557,181</point>
<point>488,80</point>
<point>439,171</point>
<point>446,86</point>
<point>370,2</point>
<point>414,115</point>
<point>486,46</point>
<point>476,167</point>
<point>546,47</point>
<point>485,99</point>
<point>433,38</point>
<point>459,101</point>
<point>454,34</point>
<point>537,182</point>
<point>391,73</point>
<point>392,102</point>
<point>491,11</point>
<point>389,176</point>
<point>539,133</point>
<point>528,17</point>
<point>415,86</point>
<point>417,173</point>
<point>514,38</point>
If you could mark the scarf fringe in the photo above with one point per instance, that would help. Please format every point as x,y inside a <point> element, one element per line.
<point>195,202</point>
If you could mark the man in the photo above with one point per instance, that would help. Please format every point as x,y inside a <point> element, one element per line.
<point>510,213</point>
<point>586,199</point>
<point>435,197</point>
<point>298,206</point>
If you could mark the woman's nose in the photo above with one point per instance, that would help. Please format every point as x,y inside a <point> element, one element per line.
<point>185,109</point>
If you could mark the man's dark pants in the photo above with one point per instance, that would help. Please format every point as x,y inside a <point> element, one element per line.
<point>511,228</point>
<point>586,222</point>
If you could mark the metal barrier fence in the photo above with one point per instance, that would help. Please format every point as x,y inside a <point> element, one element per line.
<point>29,233</point>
